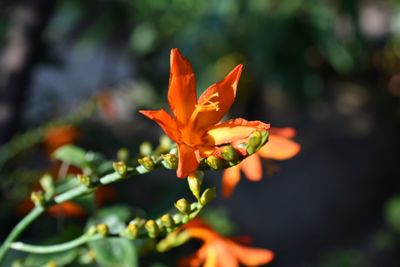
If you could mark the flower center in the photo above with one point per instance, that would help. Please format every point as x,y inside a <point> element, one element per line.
<point>207,105</point>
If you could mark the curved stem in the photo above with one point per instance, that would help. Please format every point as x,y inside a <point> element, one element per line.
<point>18,229</point>
<point>20,246</point>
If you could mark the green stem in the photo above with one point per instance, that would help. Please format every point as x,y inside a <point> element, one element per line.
<point>18,229</point>
<point>55,248</point>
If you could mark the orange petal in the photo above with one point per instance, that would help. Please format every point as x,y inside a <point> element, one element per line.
<point>182,87</point>
<point>279,148</point>
<point>249,256</point>
<point>165,121</point>
<point>224,255</point>
<point>252,168</point>
<point>226,90</point>
<point>188,161</point>
<point>232,130</point>
<point>230,179</point>
<point>287,132</point>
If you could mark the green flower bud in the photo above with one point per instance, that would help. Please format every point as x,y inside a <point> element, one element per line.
<point>38,199</point>
<point>147,162</point>
<point>152,228</point>
<point>120,167</point>
<point>183,206</point>
<point>208,195</point>
<point>167,221</point>
<point>214,162</point>
<point>47,184</point>
<point>195,180</point>
<point>85,180</point>
<point>102,229</point>
<point>170,161</point>
<point>145,148</point>
<point>123,154</point>
<point>133,230</point>
<point>229,153</point>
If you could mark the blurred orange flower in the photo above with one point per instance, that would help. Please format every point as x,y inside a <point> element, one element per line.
<point>59,136</point>
<point>279,147</point>
<point>194,125</point>
<point>218,251</point>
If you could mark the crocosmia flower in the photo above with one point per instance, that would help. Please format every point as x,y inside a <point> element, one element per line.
<point>219,251</point>
<point>195,124</point>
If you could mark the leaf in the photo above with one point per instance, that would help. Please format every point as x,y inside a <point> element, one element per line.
<point>392,213</point>
<point>60,258</point>
<point>71,154</point>
<point>115,252</point>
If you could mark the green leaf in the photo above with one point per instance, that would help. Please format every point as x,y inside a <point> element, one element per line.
<point>60,259</point>
<point>115,252</point>
<point>72,155</point>
<point>392,213</point>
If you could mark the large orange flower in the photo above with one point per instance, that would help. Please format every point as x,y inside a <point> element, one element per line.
<point>194,125</point>
<point>279,147</point>
<point>218,251</point>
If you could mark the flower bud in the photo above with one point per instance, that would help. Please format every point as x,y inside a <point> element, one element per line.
<point>102,229</point>
<point>145,148</point>
<point>120,168</point>
<point>214,162</point>
<point>147,162</point>
<point>229,153</point>
<point>46,182</point>
<point>183,206</point>
<point>194,181</point>
<point>165,142</point>
<point>84,179</point>
<point>123,154</point>
<point>254,142</point>
<point>152,228</point>
<point>38,199</point>
<point>133,230</point>
<point>167,221</point>
<point>208,195</point>
<point>170,161</point>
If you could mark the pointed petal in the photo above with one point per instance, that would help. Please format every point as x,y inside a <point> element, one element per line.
<point>279,148</point>
<point>230,179</point>
<point>249,256</point>
<point>232,130</point>
<point>287,132</point>
<point>211,257</point>
<point>188,161</point>
<point>165,121</point>
<point>252,168</point>
<point>226,90</point>
<point>225,257</point>
<point>182,87</point>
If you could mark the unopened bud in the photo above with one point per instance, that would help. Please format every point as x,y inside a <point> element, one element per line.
<point>133,230</point>
<point>84,179</point>
<point>152,228</point>
<point>214,162</point>
<point>51,264</point>
<point>195,180</point>
<point>47,184</point>
<point>145,148</point>
<point>123,154</point>
<point>264,137</point>
<point>254,142</point>
<point>167,221</point>
<point>147,162</point>
<point>229,153</point>
<point>38,199</point>
<point>208,195</point>
<point>120,168</point>
<point>102,229</point>
<point>170,161</point>
<point>165,142</point>
<point>183,206</point>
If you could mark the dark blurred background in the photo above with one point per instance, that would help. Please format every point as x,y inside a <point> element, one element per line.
<point>330,69</point>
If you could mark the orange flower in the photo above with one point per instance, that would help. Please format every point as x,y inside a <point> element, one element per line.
<point>60,136</point>
<point>218,251</point>
<point>279,147</point>
<point>194,125</point>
